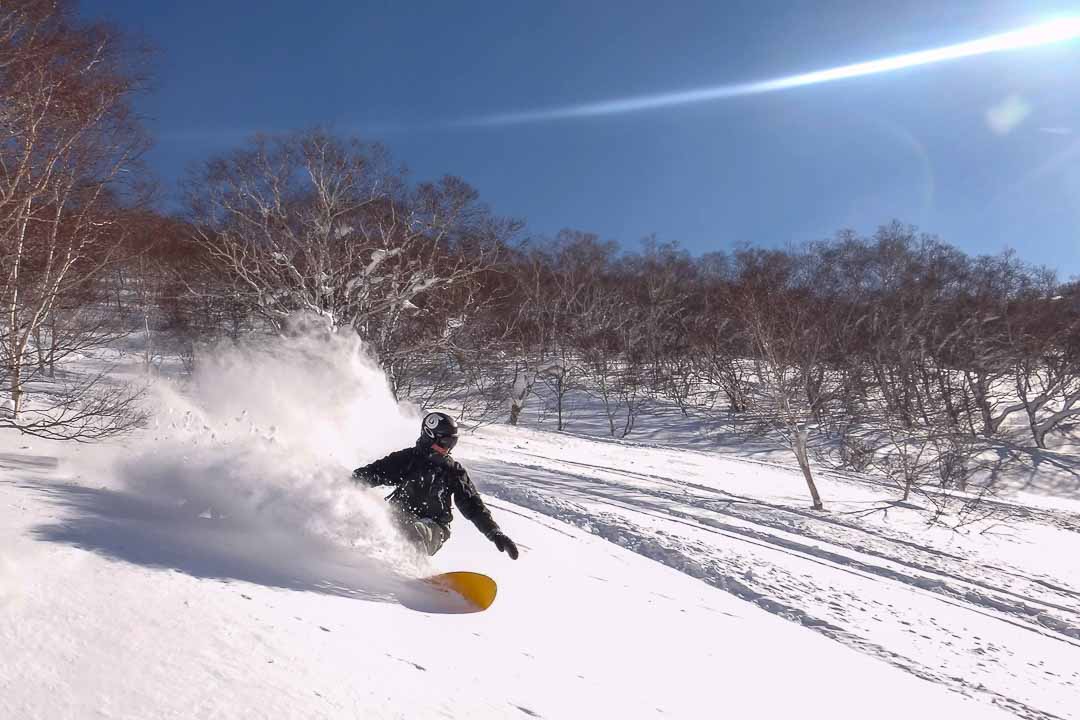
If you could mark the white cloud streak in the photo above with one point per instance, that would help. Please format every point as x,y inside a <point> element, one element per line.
<point>1047,33</point>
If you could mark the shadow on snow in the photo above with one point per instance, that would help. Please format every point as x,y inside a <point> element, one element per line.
<point>124,527</point>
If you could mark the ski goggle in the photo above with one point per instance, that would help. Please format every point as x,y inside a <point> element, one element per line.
<point>447,442</point>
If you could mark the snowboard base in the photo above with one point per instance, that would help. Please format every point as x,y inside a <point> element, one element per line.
<point>476,589</point>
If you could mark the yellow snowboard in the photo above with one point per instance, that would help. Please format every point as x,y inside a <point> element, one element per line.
<point>478,590</point>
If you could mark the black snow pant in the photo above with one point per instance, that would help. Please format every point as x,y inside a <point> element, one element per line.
<point>426,534</point>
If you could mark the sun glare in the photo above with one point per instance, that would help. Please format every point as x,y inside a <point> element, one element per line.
<point>1054,31</point>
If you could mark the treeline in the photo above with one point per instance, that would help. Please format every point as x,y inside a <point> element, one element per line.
<point>895,352</point>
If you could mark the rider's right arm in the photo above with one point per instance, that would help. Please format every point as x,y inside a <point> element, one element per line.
<point>390,470</point>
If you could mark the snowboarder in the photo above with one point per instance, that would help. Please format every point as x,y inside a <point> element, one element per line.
<point>426,477</point>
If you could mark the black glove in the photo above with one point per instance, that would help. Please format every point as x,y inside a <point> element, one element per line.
<point>505,545</point>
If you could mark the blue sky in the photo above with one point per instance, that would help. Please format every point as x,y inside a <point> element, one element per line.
<point>769,169</point>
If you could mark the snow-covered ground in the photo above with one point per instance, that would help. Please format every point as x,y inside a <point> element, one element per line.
<point>995,616</point>
<point>657,579</point>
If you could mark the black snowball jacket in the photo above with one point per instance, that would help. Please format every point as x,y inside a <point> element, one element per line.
<point>425,481</point>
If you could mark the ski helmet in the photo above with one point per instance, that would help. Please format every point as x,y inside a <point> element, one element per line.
<point>439,429</point>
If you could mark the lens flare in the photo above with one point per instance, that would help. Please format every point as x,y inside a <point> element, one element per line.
<point>1047,33</point>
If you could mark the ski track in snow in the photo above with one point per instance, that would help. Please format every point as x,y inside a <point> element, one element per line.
<point>934,605</point>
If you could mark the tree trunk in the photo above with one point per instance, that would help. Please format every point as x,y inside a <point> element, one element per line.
<point>39,348</point>
<point>519,392</point>
<point>559,393</point>
<point>148,350</point>
<point>555,377</point>
<point>1039,433</point>
<point>16,385</point>
<point>804,465</point>
<point>54,344</point>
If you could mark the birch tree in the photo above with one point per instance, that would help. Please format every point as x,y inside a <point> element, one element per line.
<point>783,324</point>
<point>69,146</point>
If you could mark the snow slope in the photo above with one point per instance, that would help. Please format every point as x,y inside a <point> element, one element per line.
<point>654,581</point>
<point>994,615</point>
<point>98,621</point>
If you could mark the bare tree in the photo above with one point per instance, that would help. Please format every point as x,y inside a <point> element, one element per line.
<point>783,322</point>
<point>663,281</point>
<point>1049,390</point>
<point>559,284</point>
<point>985,330</point>
<point>69,147</point>
<point>721,349</point>
<point>614,361</point>
<point>315,223</point>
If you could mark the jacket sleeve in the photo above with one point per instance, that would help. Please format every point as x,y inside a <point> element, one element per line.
<point>472,506</point>
<point>390,470</point>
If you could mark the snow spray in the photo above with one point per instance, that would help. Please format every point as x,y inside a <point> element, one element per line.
<point>265,436</point>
